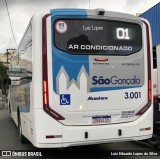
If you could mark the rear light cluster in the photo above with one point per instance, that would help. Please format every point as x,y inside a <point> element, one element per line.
<point>45,92</point>
<point>49,136</point>
<point>145,129</point>
<point>53,136</point>
<point>46,106</point>
<point>141,111</point>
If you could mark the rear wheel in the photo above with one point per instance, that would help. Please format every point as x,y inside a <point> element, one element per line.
<point>154,141</point>
<point>9,108</point>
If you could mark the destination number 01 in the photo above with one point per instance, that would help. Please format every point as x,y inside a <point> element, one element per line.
<point>122,33</point>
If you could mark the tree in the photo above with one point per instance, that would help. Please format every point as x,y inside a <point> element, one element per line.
<point>3,71</point>
<point>3,74</point>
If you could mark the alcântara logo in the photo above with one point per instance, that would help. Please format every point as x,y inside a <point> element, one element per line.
<point>115,80</point>
<point>97,98</point>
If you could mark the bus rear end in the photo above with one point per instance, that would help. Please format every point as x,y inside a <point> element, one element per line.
<point>96,75</point>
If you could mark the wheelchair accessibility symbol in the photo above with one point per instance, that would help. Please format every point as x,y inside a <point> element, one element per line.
<point>65,99</point>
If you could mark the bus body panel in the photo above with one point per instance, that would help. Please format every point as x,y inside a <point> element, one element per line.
<point>72,75</point>
<point>75,135</point>
<point>79,116</point>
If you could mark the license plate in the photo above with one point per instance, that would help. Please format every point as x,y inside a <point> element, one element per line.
<point>101,119</point>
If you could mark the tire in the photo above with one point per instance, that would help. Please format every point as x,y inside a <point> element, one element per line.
<point>155,143</point>
<point>21,136</point>
<point>155,140</point>
<point>9,108</point>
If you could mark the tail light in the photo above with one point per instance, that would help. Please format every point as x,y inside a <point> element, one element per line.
<point>101,59</point>
<point>45,92</point>
<point>141,111</point>
<point>46,106</point>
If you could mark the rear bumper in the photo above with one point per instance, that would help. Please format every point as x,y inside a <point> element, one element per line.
<point>88,142</point>
<point>75,135</point>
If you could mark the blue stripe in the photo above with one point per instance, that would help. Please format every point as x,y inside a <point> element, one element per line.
<point>71,63</point>
<point>97,89</point>
<point>68,12</point>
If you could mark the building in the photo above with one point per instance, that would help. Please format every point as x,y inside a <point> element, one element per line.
<point>6,62</point>
<point>153,16</point>
<point>3,57</point>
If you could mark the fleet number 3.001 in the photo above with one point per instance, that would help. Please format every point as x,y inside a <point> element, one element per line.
<point>132,95</point>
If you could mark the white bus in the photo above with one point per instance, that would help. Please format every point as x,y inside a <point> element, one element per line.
<point>88,80</point>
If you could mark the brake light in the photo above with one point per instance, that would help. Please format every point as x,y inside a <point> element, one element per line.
<point>53,136</point>
<point>141,111</point>
<point>46,106</point>
<point>145,129</point>
<point>149,90</point>
<point>149,128</point>
<point>45,92</point>
<point>45,99</point>
<point>49,136</point>
<point>101,59</point>
<point>45,86</point>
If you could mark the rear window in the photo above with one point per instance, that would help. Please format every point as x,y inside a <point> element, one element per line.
<point>87,36</point>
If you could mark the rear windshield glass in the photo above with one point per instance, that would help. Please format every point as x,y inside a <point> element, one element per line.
<point>96,37</point>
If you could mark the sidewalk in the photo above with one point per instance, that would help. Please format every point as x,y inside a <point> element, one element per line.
<point>3,101</point>
<point>3,104</point>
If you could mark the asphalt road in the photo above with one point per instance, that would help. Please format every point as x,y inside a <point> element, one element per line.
<point>9,141</point>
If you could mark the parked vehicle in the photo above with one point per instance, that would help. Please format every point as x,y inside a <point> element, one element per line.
<point>155,140</point>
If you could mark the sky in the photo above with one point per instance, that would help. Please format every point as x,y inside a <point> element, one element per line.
<point>22,10</point>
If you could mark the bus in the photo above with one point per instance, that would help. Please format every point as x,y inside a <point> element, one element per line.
<point>88,79</point>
